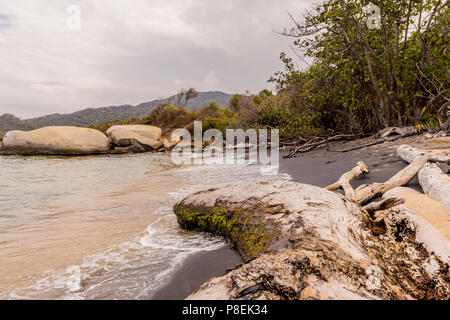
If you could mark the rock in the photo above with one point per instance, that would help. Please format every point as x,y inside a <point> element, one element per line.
<point>169,143</point>
<point>126,138</point>
<point>56,141</point>
<point>142,130</point>
<point>303,242</point>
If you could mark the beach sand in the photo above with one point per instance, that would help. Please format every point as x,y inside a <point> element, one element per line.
<point>196,270</point>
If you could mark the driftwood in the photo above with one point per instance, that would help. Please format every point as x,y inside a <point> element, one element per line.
<point>366,192</point>
<point>303,242</point>
<point>402,131</point>
<point>384,204</point>
<point>433,181</point>
<point>344,180</point>
<point>319,141</point>
<point>384,136</point>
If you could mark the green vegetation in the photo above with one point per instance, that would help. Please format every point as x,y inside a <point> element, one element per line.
<point>364,79</point>
<point>250,233</point>
<point>361,78</point>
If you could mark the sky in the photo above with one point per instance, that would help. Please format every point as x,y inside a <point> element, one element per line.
<point>61,56</point>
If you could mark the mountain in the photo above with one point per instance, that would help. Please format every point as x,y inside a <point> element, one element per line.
<point>97,116</point>
<point>9,122</point>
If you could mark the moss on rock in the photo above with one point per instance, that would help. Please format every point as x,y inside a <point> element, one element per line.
<point>249,232</point>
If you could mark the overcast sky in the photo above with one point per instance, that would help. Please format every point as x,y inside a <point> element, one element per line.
<point>128,52</point>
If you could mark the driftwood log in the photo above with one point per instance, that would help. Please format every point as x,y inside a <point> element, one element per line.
<point>304,242</point>
<point>382,137</point>
<point>366,192</point>
<point>433,181</point>
<point>315,142</point>
<point>344,180</point>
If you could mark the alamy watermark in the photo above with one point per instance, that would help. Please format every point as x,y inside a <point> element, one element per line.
<point>240,147</point>
<point>73,17</point>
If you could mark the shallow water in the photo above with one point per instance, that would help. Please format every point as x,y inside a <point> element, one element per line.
<point>99,227</point>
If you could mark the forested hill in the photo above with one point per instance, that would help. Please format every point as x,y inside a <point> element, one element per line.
<point>90,116</point>
<point>9,122</point>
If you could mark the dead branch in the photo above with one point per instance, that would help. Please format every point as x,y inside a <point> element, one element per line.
<point>385,137</point>
<point>319,141</point>
<point>366,192</point>
<point>344,180</point>
<point>384,204</point>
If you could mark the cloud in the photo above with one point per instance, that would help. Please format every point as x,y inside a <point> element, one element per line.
<point>134,52</point>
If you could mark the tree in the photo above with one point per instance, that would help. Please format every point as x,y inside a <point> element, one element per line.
<point>370,78</point>
<point>184,95</point>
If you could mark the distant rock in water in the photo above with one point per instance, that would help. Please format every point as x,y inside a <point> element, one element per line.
<point>134,138</point>
<point>56,141</point>
<point>143,130</point>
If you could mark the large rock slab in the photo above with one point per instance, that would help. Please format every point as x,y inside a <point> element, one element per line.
<point>303,242</point>
<point>135,138</point>
<point>142,130</point>
<point>55,141</point>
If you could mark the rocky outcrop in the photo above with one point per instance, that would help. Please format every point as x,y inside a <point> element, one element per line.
<point>142,130</point>
<point>55,141</point>
<point>134,138</point>
<point>303,242</point>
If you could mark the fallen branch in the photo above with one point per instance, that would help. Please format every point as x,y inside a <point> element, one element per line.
<point>319,141</point>
<point>366,192</point>
<point>384,204</point>
<point>383,140</point>
<point>344,180</point>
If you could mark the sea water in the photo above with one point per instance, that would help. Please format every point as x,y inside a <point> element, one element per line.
<point>100,227</point>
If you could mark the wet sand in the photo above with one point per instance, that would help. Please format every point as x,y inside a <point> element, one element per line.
<point>196,270</point>
<point>322,168</point>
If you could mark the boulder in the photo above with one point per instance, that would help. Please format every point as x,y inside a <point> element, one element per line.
<point>169,143</point>
<point>142,130</point>
<point>55,141</point>
<point>304,242</point>
<point>126,138</point>
<point>134,138</point>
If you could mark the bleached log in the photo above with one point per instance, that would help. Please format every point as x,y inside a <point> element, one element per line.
<point>344,180</point>
<point>402,131</point>
<point>433,181</point>
<point>384,204</point>
<point>302,242</point>
<point>366,192</point>
<point>409,154</point>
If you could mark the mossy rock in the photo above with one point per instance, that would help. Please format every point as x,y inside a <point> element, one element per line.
<point>249,232</point>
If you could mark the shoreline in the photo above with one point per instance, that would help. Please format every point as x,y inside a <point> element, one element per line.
<point>318,167</point>
<point>197,269</point>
